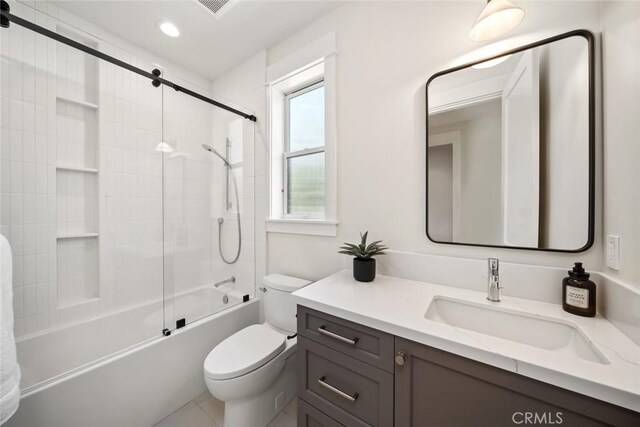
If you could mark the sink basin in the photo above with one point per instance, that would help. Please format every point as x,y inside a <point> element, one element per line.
<point>555,335</point>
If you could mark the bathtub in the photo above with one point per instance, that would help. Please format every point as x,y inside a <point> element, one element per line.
<point>124,377</point>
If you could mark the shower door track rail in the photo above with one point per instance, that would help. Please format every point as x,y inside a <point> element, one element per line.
<point>7,17</point>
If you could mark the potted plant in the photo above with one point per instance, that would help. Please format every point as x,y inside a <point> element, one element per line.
<point>364,265</point>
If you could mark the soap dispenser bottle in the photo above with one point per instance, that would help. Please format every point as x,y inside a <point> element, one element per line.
<point>579,293</point>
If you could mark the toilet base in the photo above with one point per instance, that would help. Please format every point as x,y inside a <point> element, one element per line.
<point>258,410</point>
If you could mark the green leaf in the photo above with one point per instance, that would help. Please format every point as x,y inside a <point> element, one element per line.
<point>362,250</point>
<point>364,237</point>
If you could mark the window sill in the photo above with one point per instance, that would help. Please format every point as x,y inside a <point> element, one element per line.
<point>310,227</point>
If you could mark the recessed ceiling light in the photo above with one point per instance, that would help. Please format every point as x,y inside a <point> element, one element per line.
<point>490,63</point>
<point>168,28</point>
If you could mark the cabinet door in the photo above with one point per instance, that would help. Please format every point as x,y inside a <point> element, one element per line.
<point>308,416</point>
<point>434,388</point>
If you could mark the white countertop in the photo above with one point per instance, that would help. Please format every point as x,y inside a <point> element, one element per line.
<point>398,307</point>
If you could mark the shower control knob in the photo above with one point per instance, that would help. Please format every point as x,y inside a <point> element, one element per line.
<point>263,289</point>
<point>400,358</point>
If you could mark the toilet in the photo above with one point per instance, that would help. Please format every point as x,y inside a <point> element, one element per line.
<point>253,370</point>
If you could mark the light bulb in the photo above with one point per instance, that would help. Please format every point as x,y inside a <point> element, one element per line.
<point>497,18</point>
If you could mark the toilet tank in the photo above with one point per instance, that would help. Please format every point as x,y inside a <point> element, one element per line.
<point>279,309</point>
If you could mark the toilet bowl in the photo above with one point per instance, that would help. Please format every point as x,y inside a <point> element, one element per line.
<point>253,370</point>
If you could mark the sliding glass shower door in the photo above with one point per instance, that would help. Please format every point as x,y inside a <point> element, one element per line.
<point>208,206</point>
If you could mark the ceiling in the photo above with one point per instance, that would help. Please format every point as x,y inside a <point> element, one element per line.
<point>206,46</point>
<point>481,110</point>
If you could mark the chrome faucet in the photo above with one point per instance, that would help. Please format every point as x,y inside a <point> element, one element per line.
<point>493,280</point>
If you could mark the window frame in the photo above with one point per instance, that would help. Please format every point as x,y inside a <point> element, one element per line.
<point>316,60</point>
<point>288,154</point>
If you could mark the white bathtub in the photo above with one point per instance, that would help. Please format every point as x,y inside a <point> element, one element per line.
<point>68,383</point>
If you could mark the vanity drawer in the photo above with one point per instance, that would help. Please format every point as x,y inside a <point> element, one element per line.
<point>369,345</point>
<point>347,390</point>
<point>308,416</point>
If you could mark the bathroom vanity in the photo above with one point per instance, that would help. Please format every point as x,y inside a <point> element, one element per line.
<point>397,352</point>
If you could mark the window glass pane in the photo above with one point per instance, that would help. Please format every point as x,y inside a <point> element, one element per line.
<point>306,120</point>
<point>305,184</point>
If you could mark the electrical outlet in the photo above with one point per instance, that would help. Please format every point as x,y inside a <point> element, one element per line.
<point>613,252</point>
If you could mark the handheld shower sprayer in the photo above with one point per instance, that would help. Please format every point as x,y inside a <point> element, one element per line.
<point>214,151</point>
<point>221,219</point>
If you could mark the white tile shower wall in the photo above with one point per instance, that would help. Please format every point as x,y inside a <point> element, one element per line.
<point>244,86</point>
<point>77,279</point>
<point>77,134</point>
<point>77,202</point>
<point>241,136</point>
<point>28,190</point>
<point>130,173</point>
<point>40,80</point>
<point>188,191</point>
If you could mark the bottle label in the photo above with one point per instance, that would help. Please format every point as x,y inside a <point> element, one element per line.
<point>577,297</point>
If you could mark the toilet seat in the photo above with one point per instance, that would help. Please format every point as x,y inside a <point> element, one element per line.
<point>243,352</point>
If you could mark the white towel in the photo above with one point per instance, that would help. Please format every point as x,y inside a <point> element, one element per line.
<point>9,369</point>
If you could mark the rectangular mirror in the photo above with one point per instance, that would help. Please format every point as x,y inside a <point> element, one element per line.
<point>511,147</point>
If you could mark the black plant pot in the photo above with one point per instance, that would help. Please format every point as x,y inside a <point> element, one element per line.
<point>364,270</point>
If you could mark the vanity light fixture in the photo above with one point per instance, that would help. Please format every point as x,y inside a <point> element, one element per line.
<point>497,18</point>
<point>491,63</point>
<point>168,28</point>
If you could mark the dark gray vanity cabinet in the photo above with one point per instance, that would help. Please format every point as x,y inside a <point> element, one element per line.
<point>345,371</point>
<point>308,416</point>
<point>437,388</point>
<point>352,375</point>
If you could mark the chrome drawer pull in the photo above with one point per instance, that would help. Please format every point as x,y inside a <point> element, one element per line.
<point>337,391</point>
<point>350,341</point>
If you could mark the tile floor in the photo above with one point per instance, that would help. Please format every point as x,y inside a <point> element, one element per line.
<point>207,411</point>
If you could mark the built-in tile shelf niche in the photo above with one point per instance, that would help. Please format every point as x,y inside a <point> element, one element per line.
<point>77,179</point>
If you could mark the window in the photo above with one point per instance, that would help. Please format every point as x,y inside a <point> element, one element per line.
<point>304,155</point>
<point>301,100</point>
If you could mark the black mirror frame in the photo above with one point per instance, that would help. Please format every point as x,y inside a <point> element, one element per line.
<point>588,35</point>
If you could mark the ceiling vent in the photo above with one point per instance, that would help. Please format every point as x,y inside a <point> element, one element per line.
<point>217,7</point>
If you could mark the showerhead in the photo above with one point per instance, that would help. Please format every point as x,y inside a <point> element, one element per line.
<point>213,150</point>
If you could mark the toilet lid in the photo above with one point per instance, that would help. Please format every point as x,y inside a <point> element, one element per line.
<point>243,352</point>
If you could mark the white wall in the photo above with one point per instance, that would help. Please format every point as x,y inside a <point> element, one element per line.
<point>480,177</point>
<point>621,105</point>
<point>386,53</point>
<point>441,195</point>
